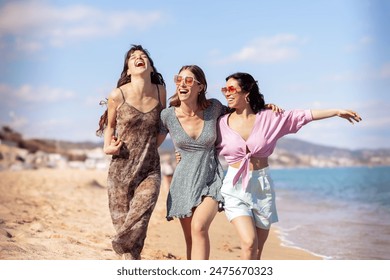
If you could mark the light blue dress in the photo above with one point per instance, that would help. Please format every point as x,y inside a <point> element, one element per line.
<point>199,172</point>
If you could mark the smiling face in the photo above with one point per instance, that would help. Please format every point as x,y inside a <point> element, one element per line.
<point>185,89</point>
<point>235,97</point>
<point>138,63</point>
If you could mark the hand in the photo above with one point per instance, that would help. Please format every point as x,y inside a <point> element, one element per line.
<point>274,108</point>
<point>114,147</point>
<point>177,156</point>
<point>349,115</point>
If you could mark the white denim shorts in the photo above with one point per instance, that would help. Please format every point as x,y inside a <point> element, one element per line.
<point>257,201</point>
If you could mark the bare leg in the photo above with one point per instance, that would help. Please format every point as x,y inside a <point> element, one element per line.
<point>186,226</point>
<point>262,235</point>
<point>201,220</point>
<point>246,230</point>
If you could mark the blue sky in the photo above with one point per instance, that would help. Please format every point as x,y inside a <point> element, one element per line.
<point>58,59</point>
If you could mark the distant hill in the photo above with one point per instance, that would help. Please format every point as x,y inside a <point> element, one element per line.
<point>304,148</point>
<point>288,152</point>
<point>296,146</point>
<point>11,138</point>
<point>294,152</point>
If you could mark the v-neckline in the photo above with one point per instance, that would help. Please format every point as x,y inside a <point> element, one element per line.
<point>238,134</point>
<point>128,104</point>
<point>185,132</point>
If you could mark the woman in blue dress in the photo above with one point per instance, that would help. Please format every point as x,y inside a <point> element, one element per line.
<point>194,194</point>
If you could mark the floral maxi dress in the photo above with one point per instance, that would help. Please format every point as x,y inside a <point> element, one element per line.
<point>134,177</point>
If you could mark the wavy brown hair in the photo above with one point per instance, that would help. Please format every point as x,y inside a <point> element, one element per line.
<point>203,103</point>
<point>155,77</point>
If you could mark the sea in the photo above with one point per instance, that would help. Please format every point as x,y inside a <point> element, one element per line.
<point>338,213</point>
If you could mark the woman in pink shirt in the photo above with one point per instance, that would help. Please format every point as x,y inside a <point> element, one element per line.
<point>246,138</point>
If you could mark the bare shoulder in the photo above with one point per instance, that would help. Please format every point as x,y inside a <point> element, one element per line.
<point>163,94</point>
<point>115,99</point>
<point>162,89</point>
<point>115,95</point>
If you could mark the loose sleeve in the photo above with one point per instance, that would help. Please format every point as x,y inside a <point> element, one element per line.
<point>295,120</point>
<point>286,123</point>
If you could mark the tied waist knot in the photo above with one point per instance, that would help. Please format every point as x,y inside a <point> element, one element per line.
<point>243,171</point>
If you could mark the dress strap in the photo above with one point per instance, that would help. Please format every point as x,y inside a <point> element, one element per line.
<point>123,96</point>
<point>158,93</point>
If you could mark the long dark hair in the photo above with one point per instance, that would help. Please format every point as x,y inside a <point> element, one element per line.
<point>155,77</point>
<point>248,84</point>
<point>203,103</point>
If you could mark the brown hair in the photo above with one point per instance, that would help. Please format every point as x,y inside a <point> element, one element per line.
<point>156,78</point>
<point>203,103</point>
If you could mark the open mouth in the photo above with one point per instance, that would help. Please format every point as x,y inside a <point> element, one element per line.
<point>183,91</point>
<point>139,63</point>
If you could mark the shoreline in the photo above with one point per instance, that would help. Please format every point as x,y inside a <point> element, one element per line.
<point>287,243</point>
<point>62,214</point>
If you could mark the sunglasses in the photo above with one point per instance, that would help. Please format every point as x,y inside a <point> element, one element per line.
<point>189,81</point>
<point>230,89</point>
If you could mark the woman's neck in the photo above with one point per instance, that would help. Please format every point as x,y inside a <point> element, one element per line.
<point>244,112</point>
<point>140,84</point>
<point>189,108</point>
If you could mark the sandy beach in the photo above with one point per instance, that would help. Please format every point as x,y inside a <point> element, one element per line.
<point>62,214</point>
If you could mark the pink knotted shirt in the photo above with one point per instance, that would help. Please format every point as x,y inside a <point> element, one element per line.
<point>267,129</point>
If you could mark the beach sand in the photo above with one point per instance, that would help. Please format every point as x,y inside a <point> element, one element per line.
<point>62,214</point>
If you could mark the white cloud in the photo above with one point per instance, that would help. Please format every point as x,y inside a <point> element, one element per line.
<point>383,72</point>
<point>28,93</point>
<point>346,76</point>
<point>17,122</point>
<point>26,45</point>
<point>366,40</point>
<point>380,123</point>
<point>54,128</point>
<point>360,44</point>
<point>50,128</point>
<point>274,49</point>
<point>31,22</point>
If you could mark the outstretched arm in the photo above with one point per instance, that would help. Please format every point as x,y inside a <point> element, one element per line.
<point>349,115</point>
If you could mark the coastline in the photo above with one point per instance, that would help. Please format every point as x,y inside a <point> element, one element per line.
<point>62,214</point>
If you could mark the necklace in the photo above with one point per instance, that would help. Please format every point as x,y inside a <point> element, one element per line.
<point>189,115</point>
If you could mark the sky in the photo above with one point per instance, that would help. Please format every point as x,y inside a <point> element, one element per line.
<point>58,59</point>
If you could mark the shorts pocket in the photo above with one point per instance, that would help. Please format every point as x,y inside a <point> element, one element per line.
<point>265,186</point>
